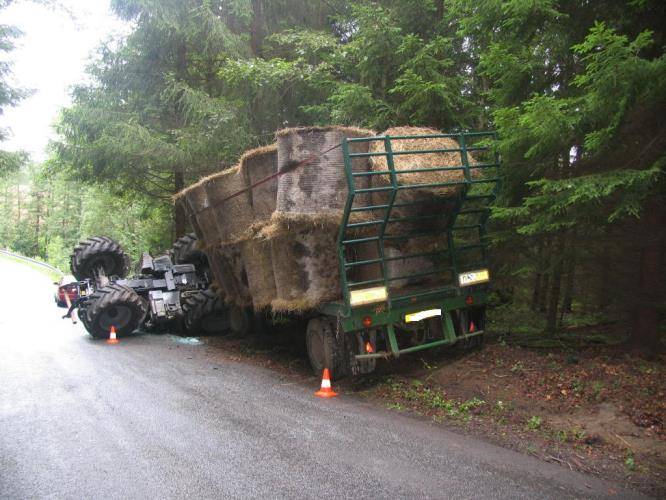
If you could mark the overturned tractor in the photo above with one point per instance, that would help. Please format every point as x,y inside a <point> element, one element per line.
<point>169,292</point>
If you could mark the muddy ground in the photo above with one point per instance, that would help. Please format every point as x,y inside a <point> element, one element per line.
<point>593,409</point>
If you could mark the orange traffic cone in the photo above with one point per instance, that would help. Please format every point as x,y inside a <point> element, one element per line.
<point>326,391</point>
<point>112,336</point>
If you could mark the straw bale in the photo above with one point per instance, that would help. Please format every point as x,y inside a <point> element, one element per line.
<point>427,160</point>
<point>233,216</point>
<point>321,185</point>
<point>235,273</point>
<point>197,203</point>
<point>223,274</point>
<point>256,256</point>
<point>257,164</point>
<point>305,266</point>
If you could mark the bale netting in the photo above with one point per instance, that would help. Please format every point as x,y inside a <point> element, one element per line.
<point>321,186</point>
<point>258,164</point>
<point>233,276</point>
<point>256,257</point>
<point>233,215</point>
<point>195,200</point>
<point>222,273</point>
<point>305,266</point>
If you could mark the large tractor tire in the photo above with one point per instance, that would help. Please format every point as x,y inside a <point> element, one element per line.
<point>205,313</point>
<point>113,305</point>
<point>186,251</point>
<point>98,255</point>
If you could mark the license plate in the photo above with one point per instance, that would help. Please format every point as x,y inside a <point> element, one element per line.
<point>421,315</point>
<point>474,277</point>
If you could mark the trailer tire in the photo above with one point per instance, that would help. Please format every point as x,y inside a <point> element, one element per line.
<point>114,305</point>
<point>325,350</point>
<point>98,252</point>
<point>464,317</point>
<point>205,313</point>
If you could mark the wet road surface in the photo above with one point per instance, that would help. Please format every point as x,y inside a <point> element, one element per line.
<point>154,418</point>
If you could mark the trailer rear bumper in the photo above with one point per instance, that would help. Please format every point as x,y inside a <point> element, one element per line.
<point>449,320</point>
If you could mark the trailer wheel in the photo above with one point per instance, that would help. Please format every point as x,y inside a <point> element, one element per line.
<point>98,254</point>
<point>465,319</point>
<point>325,350</point>
<point>114,305</point>
<point>205,313</point>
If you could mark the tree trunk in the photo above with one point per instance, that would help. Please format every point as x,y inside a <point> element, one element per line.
<point>554,299</point>
<point>257,27</point>
<point>536,298</point>
<point>545,276</point>
<point>38,210</point>
<point>180,218</point>
<point>569,287</point>
<point>570,279</point>
<point>645,330</point>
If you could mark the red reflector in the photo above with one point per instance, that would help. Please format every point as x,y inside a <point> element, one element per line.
<point>469,300</point>
<point>472,328</point>
<point>368,347</point>
<point>367,321</point>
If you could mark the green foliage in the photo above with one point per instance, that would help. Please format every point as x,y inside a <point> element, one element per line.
<point>534,423</point>
<point>575,90</point>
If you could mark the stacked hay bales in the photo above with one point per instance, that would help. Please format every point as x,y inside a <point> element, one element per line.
<point>308,212</point>
<point>230,207</point>
<point>433,202</point>
<point>229,204</point>
<point>195,201</point>
<point>274,243</point>
<point>257,165</point>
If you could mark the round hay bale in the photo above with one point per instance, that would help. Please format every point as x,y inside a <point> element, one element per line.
<point>233,216</point>
<point>257,164</point>
<point>305,266</point>
<point>195,200</point>
<point>223,274</point>
<point>432,199</point>
<point>256,256</point>
<point>232,255</point>
<point>420,160</point>
<point>321,185</point>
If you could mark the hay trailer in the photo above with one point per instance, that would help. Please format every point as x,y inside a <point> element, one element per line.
<point>412,253</point>
<point>378,241</point>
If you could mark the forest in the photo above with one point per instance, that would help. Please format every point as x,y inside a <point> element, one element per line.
<point>575,90</point>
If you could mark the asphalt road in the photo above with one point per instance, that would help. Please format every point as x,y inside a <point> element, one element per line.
<point>154,418</point>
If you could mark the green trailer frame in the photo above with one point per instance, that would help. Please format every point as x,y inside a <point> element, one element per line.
<point>467,212</point>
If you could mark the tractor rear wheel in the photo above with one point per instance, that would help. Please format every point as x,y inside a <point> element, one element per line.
<point>98,254</point>
<point>206,314</point>
<point>186,251</point>
<point>114,305</point>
